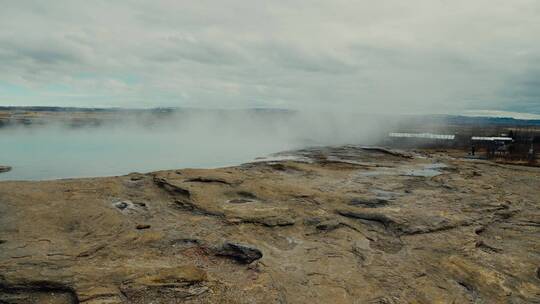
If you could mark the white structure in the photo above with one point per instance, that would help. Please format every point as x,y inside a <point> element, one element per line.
<point>482,138</point>
<point>423,135</point>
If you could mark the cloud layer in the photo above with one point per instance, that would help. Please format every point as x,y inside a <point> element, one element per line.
<point>404,56</point>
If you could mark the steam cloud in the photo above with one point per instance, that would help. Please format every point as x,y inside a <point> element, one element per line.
<point>195,138</point>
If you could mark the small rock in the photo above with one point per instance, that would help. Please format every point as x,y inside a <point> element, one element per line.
<point>5,169</point>
<point>128,207</point>
<point>480,229</point>
<point>140,204</point>
<point>142,226</point>
<point>122,205</point>
<point>244,254</point>
<point>328,225</point>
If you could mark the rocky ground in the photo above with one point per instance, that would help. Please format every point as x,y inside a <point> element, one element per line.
<point>328,225</point>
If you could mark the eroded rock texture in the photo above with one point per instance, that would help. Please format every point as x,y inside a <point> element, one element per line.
<point>338,225</point>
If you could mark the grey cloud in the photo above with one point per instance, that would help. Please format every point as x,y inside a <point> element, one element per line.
<point>524,91</point>
<point>363,56</point>
<point>40,54</point>
<point>206,52</point>
<point>305,60</point>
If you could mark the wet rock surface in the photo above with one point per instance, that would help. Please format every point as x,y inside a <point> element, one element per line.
<point>322,225</point>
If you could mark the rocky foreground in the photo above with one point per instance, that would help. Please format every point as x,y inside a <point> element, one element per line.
<point>329,225</point>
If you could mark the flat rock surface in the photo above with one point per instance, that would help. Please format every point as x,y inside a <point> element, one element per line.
<point>326,225</point>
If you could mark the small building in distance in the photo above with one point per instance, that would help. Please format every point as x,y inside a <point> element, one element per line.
<point>423,135</point>
<point>494,146</point>
<point>424,140</point>
<point>499,139</point>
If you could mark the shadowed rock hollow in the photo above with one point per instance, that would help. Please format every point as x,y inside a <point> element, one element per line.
<point>334,225</point>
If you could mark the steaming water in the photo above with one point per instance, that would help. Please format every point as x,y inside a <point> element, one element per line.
<point>52,153</point>
<point>187,139</point>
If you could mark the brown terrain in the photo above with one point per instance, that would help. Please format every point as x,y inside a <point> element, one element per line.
<point>328,225</point>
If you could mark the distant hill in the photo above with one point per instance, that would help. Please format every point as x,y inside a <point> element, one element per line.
<point>467,120</point>
<point>114,109</point>
<point>419,119</point>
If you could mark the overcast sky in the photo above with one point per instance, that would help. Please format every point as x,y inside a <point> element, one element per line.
<point>374,56</point>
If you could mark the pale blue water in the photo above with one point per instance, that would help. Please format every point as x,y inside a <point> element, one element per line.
<point>200,139</point>
<point>52,153</point>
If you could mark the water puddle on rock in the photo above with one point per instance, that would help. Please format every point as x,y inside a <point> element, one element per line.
<point>425,170</point>
<point>429,170</point>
